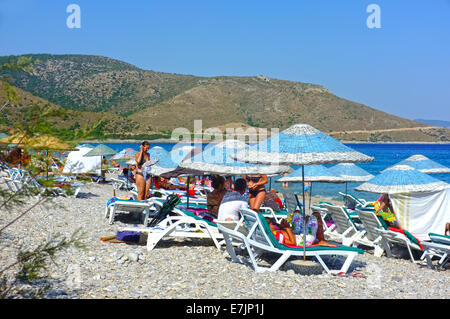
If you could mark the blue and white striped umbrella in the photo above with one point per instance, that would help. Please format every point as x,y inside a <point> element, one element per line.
<point>216,159</point>
<point>424,164</point>
<point>181,152</point>
<point>164,164</point>
<point>313,173</point>
<point>351,172</point>
<point>402,179</point>
<point>126,153</point>
<point>301,144</point>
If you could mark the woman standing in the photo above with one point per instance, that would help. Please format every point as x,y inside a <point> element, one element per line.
<point>257,190</point>
<point>142,184</point>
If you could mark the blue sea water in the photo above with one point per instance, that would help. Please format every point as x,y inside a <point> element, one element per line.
<point>385,156</point>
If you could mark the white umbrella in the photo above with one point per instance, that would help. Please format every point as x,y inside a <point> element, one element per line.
<point>402,179</point>
<point>301,144</point>
<point>216,159</point>
<point>425,165</point>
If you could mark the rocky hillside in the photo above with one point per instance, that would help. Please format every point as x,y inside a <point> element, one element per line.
<point>135,101</point>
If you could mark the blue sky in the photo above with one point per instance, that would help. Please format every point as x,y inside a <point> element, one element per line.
<point>402,68</point>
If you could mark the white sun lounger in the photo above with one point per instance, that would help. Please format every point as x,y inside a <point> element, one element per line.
<point>346,230</point>
<point>184,224</point>
<point>260,239</point>
<point>438,247</point>
<point>393,237</point>
<point>144,208</point>
<point>373,238</point>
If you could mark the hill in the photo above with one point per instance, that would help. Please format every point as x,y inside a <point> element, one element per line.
<point>439,123</point>
<point>138,102</point>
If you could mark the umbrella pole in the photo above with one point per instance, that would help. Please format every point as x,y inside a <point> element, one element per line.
<point>187,190</point>
<point>310,194</point>
<point>46,162</point>
<point>304,214</point>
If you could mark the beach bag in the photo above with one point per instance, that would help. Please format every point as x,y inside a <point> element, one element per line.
<point>128,236</point>
<point>297,223</point>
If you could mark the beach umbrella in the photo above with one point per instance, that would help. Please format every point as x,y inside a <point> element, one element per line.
<point>49,143</point>
<point>165,163</point>
<point>177,156</point>
<point>312,173</point>
<point>424,164</point>
<point>101,150</point>
<point>402,179</point>
<point>351,173</point>
<point>42,142</point>
<point>300,144</point>
<point>124,154</point>
<point>216,159</point>
<point>173,169</point>
<point>85,145</point>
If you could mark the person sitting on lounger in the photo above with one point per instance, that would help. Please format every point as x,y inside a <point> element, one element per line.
<point>128,173</point>
<point>273,201</point>
<point>214,198</point>
<point>163,183</point>
<point>284,234</point>
<point>383,208</point>
<point>233,202</point>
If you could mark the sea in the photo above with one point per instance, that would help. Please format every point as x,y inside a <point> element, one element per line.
<point>385,155</point>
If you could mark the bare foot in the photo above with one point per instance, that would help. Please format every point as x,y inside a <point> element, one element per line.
<point>325,243</point>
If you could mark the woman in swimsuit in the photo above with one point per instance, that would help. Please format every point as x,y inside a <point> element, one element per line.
<point>257,190</point>
<point>142,185</point>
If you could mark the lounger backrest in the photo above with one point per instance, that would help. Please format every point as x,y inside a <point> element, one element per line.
<point>352,200</point>
<point>291,202</point>
<point>371,223</point>
<point>340,218</point>
<point>255,227</point>
<point>165,210</point>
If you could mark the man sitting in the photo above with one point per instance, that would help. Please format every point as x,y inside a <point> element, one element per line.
<point>233,202</point>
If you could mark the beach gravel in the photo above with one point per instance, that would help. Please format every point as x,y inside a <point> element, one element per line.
<point>190,268</point>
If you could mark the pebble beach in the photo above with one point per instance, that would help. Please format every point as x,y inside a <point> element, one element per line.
<point>191,268</point>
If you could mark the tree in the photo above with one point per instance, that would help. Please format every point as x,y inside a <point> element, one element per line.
<point>29,264</point>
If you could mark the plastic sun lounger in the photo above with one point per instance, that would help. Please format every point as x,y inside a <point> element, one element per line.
<point>373,238</point>
<point>260,239</point>
<point>323,214</point>
<point>393,237</point>
<point>122,183</point>
<point>346,231</point>
<point>184,224</point>
<point>438,247</point>
<point>359,202</point>
<point>166,193</point>
<point>131,206</point>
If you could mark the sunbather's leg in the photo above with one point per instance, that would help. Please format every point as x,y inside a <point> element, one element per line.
<point>147,187</point>
<point>140,184</point>
<point>256,201</point>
